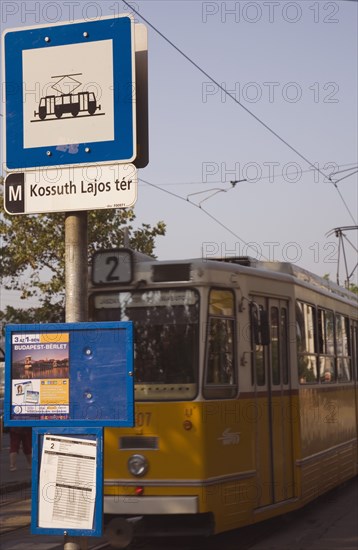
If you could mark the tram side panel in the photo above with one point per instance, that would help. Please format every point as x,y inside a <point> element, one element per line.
<point>328,408</point>
<point>231,490</point>
<point>260,430</point>
<point>329,440</point>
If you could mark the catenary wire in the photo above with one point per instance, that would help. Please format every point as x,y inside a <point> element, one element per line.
<point>345,170</point>
<point>344,177</point>
<point>205,212</point>
<point>256,180</point>
<point>273,132</point>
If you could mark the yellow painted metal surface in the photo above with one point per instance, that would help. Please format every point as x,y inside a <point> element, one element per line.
<point>328,438</point>
<point>220,452</point>
<point>214,460</point>
<point>327,417</point>
<point>219,442</point>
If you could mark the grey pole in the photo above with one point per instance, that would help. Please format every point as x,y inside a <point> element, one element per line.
<point>76,274</point>
<point>76,267</point>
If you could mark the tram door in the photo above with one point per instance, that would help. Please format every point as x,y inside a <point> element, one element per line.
<point>354,353</point>
<point>274,427</point>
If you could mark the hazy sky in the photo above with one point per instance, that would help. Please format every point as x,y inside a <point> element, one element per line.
<point>290,65</point>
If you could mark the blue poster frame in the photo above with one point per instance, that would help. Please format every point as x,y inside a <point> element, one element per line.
<point>123,148</point>
<point>37,441</point>
<point>100,375</point>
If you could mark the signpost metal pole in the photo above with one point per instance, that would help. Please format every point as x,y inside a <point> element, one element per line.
<point>76,273</point>
<point>76,267</point>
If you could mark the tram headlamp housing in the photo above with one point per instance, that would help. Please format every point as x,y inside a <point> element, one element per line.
<point>137,465</point>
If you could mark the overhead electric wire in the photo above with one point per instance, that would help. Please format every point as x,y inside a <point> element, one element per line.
<point>340,194</point>
<point>213,191</point>
<point>202,210</point>
<point>255,180</point>
<point>345,170</point>
<point>192,62</point>
<point>344,177</point>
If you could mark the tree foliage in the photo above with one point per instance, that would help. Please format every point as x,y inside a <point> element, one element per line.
<point>353,288</point>
<point>32,252</point>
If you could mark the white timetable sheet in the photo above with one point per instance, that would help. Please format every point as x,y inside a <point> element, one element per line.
<point>67,484</point>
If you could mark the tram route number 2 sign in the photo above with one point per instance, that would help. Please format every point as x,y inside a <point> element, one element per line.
<point>114,266</point>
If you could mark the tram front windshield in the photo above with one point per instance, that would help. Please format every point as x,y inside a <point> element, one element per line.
<point>166,339</point>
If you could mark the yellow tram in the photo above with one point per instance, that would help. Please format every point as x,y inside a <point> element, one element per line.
<point>246,392</point>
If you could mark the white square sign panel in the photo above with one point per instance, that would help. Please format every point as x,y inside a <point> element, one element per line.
<point>73,99</point>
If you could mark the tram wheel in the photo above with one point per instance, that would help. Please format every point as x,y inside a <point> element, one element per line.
<point>119,533</point>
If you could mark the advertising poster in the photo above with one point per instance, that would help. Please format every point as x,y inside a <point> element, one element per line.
<point>64,373</point>
<point>40,376</point>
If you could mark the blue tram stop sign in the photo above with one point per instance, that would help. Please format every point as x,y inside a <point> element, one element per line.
<point>69,94</point>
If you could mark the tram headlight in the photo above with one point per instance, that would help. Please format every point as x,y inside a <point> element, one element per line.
<point>137,465</point>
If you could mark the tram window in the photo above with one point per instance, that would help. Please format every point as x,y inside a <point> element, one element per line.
<point>344,368</point>
<point>260,326</point>
<point>326,345</point>
<point>354,349</point>
<point>279,348</point>
<point>220,365</point>
<point>306,343</point>
<point>284,345</point>
<point>260,365</point>
<point>275,347</point>
<point>220,352</point>
<point>166,339</point>
<point>221,303</point>
<point>258,372</point>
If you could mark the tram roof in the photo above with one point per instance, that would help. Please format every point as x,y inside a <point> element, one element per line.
<point>247,263</point>
<point>286,268</point>
<point>181,270</point>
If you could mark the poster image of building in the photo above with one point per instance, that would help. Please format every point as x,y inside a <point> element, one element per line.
<point>40,375</point>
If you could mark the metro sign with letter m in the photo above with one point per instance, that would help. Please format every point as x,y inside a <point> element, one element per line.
<point>15,193</point>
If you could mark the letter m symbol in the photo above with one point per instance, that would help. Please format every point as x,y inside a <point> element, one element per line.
<point>14,194</point>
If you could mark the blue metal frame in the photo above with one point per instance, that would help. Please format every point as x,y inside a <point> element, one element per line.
<point>37,441</point>
<point>104,367</point>
<point>123,147</point>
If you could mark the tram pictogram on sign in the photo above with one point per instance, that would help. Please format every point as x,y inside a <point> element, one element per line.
<point>74,103</point>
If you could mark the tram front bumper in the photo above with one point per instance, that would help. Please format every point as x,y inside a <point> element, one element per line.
<point>150,505</point>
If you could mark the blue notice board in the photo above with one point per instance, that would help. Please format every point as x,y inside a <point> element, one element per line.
<point>69,94</point>
<point>69,374</point>
<point>67,481</point>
